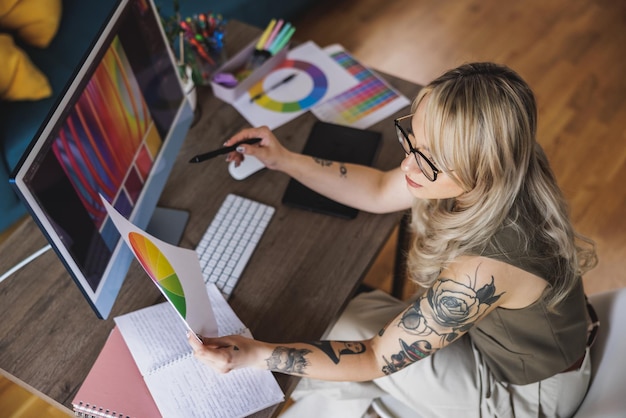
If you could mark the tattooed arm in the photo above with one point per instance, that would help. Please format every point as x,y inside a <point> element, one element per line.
<point>361,187</point>
<point>457,300</point>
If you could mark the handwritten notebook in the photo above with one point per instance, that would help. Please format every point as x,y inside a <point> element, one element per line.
<point>181,385</point>
<point>114,387</point>
<point>159,359</point>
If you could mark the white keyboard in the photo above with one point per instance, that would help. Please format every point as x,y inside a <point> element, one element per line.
<point>230,240</point>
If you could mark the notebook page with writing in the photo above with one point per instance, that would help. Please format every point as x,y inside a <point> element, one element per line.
<point>181,385</point>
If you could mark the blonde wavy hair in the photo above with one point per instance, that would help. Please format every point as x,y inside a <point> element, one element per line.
<point>480,125</point>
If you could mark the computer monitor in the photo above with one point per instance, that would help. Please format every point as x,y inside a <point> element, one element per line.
<point>115,131</point>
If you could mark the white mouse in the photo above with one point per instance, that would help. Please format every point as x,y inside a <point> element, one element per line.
<point>248,166</point>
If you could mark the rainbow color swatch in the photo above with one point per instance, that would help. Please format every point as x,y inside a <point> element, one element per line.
<point>159,269</point>
<point>370,95</point>
<point>320,86</point>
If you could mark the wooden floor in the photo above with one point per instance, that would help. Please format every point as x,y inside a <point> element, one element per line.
<point>19,401</point>
<point>570,52</point>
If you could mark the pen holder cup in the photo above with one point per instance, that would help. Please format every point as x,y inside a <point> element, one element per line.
<point>202,70</point>
<point>239,62</point>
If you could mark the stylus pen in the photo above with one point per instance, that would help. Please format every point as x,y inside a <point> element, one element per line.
<point>280,83</point>
<point>220,151</point>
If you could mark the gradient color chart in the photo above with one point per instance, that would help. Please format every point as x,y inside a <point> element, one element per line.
<point>159,269</point>
<point>370,95</point>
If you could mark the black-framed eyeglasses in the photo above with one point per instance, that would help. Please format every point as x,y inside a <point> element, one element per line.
<point>403,129</point>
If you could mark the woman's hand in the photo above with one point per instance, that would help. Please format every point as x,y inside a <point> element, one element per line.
<point>269,151</point>
<point>228,353</point>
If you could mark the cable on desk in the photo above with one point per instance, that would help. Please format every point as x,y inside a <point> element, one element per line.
<point>24,262</point>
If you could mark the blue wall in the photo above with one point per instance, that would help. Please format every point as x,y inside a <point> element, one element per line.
<point>20,120</point>
<point>254,12</point>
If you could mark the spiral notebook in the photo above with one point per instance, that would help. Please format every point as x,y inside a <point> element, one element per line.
<point>114,387</point>
<point>182,386</point>
<point>147,368</point>
<point>339,143</point>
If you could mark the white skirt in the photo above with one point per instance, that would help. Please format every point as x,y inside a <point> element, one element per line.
<point>453,382</point>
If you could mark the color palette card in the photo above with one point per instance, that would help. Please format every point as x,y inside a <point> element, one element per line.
<point>363,105</point>
<point>174,270</point>
<point>307,76</point>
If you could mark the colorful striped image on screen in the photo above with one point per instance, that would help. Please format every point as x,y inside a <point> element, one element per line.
<point>366,97</point>
<point>159,269</point>
<point>108,143</point>
<point>302,69</point>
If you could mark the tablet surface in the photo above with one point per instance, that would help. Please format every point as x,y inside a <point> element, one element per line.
<point>336,143</point>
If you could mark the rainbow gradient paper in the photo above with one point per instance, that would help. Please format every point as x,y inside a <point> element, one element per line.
<point>175,271</point>
<point>159,269</point>
<point>363,105</point>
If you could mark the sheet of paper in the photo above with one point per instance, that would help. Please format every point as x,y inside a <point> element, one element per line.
<point>175,271</point>
<point>155,335</point>
<point>363,105</point>
<point>194,390</point>
<point>227,321</point>
<point>182,386</point>
<point>317,77</point>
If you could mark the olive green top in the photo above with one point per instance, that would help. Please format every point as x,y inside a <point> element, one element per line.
<point>523,346</point>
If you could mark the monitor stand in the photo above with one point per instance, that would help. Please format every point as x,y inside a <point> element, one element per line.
<point>168,224</point>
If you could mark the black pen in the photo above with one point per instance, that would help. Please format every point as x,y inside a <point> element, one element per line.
<point>203,157</point>
<point>280,83</point>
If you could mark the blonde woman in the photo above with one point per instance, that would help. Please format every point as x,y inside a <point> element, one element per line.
<point>502,328</point>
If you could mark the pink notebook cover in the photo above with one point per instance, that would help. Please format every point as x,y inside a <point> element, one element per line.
<point>114,386</point>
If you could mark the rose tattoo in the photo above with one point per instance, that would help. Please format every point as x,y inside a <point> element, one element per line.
<point>451,308</point>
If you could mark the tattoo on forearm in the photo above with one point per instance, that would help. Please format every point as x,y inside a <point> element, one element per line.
<point>335,349</point>
<point>343,170</point>
<point>288,360</point>
<point>407,355</point>
<point>382,331</point>
<point>322,162</point>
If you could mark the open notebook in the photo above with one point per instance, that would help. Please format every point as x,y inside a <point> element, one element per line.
<point>147,365</point>
<point>156,338</point>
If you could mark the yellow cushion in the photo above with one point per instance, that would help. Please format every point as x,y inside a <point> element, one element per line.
<point>35,21</point>
<point>19,78</point>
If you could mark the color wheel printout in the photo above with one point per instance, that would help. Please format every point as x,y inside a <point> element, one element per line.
<point>175,271</point>
<point>312,76</point>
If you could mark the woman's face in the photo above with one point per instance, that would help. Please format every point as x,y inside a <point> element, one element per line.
<point>419,186</point>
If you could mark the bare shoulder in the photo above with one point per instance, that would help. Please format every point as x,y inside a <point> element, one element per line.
<point>517,288</point>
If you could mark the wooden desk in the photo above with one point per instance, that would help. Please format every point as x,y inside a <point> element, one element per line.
<point>305,269</point>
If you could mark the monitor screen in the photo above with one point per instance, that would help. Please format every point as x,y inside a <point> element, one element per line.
<point>115,132</point>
